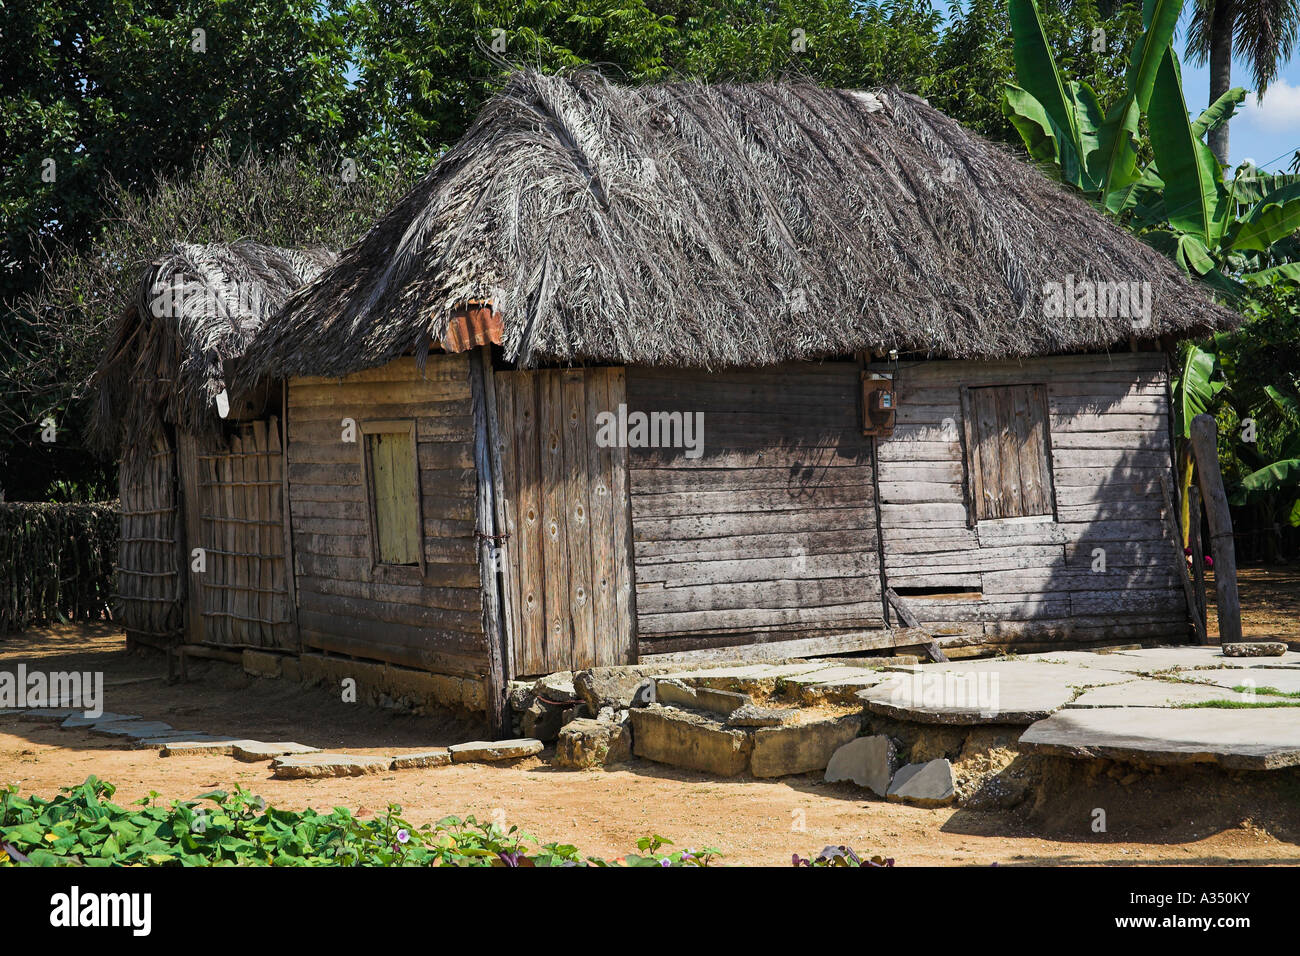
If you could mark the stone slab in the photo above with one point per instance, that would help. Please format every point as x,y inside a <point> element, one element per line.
<point>688,739</point>
<point>1145,692</point>
<point>198,744</point>
<point>752,715</point>
<point>1286,681</point>
<point>1237,739</point>
<point>52,713</point>
<point>1192,658</point>
<point>161,740</point>
<point>866,761</point>
<point>678,694</point>
<point>476,751</point>
<point>929,784</point>
<point>983,692</point>
<point>319,764</point>
<point>77,721</point>
<point>255,751</point>
<point>134,729</point>
<point>800,748</point>
<point>439,757</point>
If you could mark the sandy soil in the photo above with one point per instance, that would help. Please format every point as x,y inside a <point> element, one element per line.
<point>1218,820</point>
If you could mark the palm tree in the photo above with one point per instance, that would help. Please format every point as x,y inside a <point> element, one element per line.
<point>1260,32</point>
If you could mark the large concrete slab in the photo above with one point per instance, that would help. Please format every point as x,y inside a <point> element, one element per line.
<point>689,739</point>
<point>983,692</point>
<point>477,751</point>
<point>1286,681</point>
<point>304,766</point>
<point>800,748</point>
<point>1240,739</point>
<point>1189,658</point>
<point>79,720</point>
<point>1145,692</point>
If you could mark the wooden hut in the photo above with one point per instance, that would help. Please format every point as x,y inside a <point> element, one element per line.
<point>699,372</point>
<point>204,532</point>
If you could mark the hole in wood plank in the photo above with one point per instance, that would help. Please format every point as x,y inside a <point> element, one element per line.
<point>957,593</point>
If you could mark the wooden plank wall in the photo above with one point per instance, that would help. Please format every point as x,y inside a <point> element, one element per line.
<point>149,561</point>
<point>770,534</point>
<point>347,604</point>
<point>243,596</point>
<point>1109,419</point>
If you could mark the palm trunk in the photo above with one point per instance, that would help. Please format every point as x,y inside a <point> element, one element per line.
<point>1221,21</point>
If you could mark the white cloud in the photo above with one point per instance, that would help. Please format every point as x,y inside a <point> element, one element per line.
<point>1280,111</point>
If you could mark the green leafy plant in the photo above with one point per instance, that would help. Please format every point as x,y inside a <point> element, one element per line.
<point>83,827</point>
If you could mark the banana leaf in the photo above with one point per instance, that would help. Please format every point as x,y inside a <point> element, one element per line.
<point>1218,112</point>
<point>1268,480</point>
<point>1194,193</point>
<point>1194,387</point>
<point>1274,217</point>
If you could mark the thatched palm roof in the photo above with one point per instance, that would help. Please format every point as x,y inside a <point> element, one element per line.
<point>723,225</point>
<point>194,309</point>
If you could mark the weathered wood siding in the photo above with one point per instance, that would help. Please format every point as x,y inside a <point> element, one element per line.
<point>347,604</point>
<point>771,532</point>
<point>1032,578</point>
<point>149,561</point>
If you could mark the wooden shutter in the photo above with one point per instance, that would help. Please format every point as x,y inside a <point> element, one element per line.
<point>394,496</point>
<point>1008,447</point>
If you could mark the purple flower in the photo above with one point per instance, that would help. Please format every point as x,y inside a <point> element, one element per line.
<point>1209,561</point>
<point>510,858</point>
<point>403,836</point>
<point>665,862</point>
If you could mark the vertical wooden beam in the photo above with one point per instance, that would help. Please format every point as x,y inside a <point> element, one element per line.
<point>290,562</point>
<point>485,528</point>
<point>1206,451</point>
<point>499,450</point>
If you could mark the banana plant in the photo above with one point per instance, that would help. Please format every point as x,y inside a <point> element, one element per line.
<point>1195,387</point>
<point>1277,484</point>
<point>1061,121</point>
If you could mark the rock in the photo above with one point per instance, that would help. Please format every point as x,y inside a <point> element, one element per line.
<point>79,721</point>
<point>615,687</point>
<point>440,757</point>
<point>486,750</point>
<point>557,688</point>
<point>254,751</point>
<point>575,712</point>
<point>752,715</point>
<point>1254,649</point>
<point>521,695</point>
<point>867,761</point>
<point>668,690</point>
<point>299,766</point>
<point>687,739</point>
<point>542,720</point>
<point>930,784</point>
<point>800,748</point>
<point>586,743</point>
<point>644,694</point>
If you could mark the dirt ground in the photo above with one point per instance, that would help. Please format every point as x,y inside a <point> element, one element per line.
<point>1193,817</point>
<point>1270,602</point>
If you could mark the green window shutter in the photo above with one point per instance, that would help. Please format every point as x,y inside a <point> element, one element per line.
<point>393,476</point>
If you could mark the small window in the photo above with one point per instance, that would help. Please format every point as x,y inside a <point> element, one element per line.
<point>392,487</point>
<point>1008,464</point>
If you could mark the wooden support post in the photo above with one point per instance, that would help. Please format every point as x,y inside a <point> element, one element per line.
<point>1198,558</point>
<point>498,709</point>
<point>1180,562</point>
<point>1206,452</point>
<point>908,617</point>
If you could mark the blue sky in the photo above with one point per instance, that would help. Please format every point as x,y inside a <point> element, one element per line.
<point>1267,133</point>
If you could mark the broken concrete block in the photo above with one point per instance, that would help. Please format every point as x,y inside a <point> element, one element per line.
<point>586,743</point>
<point>752,715</point>
<point>1254,649</point>
<point>253,751</point>
<point>686,739</point>
<point>199,744</point>
<point>134,729</point>
<point>930,784</point>
<point>542,719</point>
<point>486,750</point>
<point>601,687</point>
<point>299,766</point>
<point>867,761</point>
<point>557,688</point>
<point>800,748</point>
<point>668,690</point>
<point>440,757</point>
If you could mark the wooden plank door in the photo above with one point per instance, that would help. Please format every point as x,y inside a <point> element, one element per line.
<point>568,520</point>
